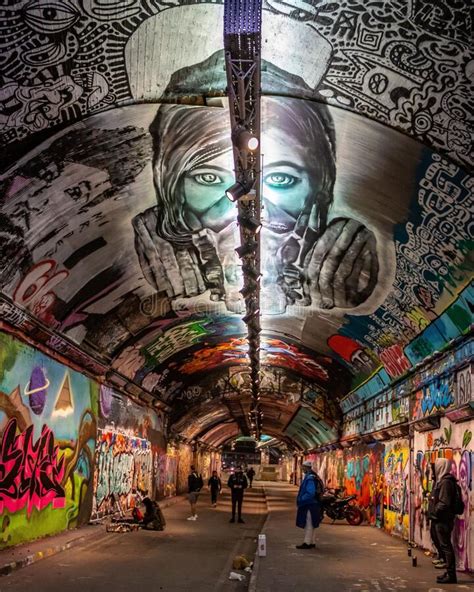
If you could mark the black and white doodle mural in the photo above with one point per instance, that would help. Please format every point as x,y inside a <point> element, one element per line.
<point>406,64</point>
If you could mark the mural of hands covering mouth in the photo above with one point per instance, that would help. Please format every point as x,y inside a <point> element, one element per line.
<point>186,243</point>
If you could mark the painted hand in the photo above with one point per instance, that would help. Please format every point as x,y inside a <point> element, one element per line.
<point>342,268</point>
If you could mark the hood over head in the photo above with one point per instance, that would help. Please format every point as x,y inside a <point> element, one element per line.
<point>442,468</point>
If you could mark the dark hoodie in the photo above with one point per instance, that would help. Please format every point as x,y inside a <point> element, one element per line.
<point>444,492</point>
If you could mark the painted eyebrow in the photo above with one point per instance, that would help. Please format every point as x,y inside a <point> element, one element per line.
<point>203,167</point>
<point>281,163</point>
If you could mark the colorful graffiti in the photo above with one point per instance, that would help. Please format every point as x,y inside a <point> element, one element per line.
<point>453,441</point>
<point>436,396</point>
<point>124,466</point>
<point>47,438</point>
<point>396,487</point>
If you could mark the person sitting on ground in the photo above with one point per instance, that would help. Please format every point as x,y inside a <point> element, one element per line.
<point>194,487</point>
<point>309,512</point>
<point>153,518</point>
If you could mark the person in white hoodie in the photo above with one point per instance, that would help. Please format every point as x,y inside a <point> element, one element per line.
<point>442,514</point>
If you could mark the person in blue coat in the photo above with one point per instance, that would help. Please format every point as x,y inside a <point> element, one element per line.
<point>309,512</point>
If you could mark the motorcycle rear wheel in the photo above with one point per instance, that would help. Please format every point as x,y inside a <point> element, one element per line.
<point>354,516</point>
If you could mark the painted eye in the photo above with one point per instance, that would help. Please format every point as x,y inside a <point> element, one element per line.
<point>207,179</point>
<point>280,180</point>
<point>57,16</point>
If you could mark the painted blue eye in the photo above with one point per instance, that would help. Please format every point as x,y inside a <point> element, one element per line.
<point>280,180</point>
<point>207,179</point>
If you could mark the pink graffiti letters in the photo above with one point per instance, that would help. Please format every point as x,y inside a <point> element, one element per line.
<point>30,473</point>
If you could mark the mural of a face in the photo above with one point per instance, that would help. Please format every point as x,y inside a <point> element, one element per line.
<point>307,258</point>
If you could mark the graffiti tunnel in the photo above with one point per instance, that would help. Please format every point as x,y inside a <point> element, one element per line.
<point>124,343</point>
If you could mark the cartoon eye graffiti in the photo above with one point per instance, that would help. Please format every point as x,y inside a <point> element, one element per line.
<point>55,17</point>
<point>207,179</point>
<point>280,180</point>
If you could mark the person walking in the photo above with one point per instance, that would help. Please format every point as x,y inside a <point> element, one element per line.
<point>215,485</point>
<point>442,512</point>
<point>309,512</point>
<point>194,487</point>
<point>250,475</point>
<point>238,484</point>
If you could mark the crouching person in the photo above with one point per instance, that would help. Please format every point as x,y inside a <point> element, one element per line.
<point>153,518</point>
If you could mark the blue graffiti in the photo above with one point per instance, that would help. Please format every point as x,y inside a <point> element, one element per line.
<point>436,395</point>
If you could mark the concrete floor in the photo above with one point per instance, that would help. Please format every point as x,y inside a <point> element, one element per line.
<point>197,556</point>
<point>346,558</point>
<point>186,557</point>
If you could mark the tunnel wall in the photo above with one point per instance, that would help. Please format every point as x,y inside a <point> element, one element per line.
<point>390,440</point>
<point>48,427</point>
<point>69,447</point>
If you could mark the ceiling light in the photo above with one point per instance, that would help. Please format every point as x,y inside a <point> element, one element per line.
<point>251,271</point>
<point>244,139</point>
<point>250,223</point>
<point>248,248</point>
<point>238,190</point>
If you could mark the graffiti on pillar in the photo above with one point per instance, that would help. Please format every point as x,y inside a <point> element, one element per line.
<point>47,436</point>
<point>452,441</point>
<point>396,476</point>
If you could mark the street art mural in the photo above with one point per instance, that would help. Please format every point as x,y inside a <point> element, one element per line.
<point>185,460</point>
<point>48,424</point>
<point>346,269</point>
<point>129,440</point>
<point>453,441</point>
<point>396,487</point>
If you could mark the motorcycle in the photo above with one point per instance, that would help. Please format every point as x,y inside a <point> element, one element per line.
<point>338,507</point>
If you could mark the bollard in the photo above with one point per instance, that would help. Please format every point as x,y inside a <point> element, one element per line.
<point>262,545</point>
<point>413,561</point>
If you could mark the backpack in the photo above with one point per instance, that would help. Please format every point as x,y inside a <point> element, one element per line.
<point>319,488</point>
<point>458,505</point>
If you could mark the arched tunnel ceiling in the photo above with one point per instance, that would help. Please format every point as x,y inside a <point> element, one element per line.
<point>116,235</point>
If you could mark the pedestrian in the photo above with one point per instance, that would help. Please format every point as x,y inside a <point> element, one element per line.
<point>153,518</point>
<point>442,512</point>
<point>250,475</point>
<point>194,487</point>
<point>237,483</point>
<point>309,513</point>
<point>215,485</point>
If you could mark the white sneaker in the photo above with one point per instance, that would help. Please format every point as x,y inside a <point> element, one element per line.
<point>191,518</point>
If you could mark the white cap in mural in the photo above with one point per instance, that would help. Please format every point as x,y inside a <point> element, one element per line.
<point>185,35</point>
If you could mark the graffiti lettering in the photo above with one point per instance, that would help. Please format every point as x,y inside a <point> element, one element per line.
<point>464,386</point>
<point>394,360</point>
<point>176,339</point>
<point>30,473</point>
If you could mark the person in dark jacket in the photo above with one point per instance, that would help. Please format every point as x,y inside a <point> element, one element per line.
<point>309,513</point>
<point>215,486</point>
<point>441,513</point>
<point>194,487</point>
<point>153,518</point>
<point>250,475</point>
<point>238,484</point>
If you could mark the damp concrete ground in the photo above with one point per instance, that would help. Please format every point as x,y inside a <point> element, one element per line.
<point>197,556</point>
<point>346,558</point>
<point>186,557</point>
